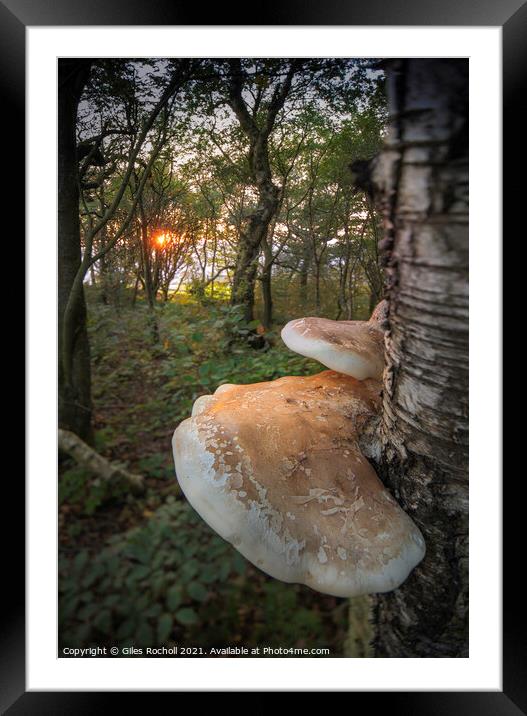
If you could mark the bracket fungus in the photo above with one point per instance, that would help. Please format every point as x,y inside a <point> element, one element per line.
<point>355,348</point>
<point>276,469</point>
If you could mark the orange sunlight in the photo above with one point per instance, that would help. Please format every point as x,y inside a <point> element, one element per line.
<point>161,240</point>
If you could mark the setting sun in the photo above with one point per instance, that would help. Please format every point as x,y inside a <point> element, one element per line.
<point>161,240</point>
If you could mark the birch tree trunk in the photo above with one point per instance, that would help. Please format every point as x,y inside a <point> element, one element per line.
<point>422,177</point>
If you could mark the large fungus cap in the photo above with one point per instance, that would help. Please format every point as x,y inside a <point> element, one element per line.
<point>275,468</point>
<point>355,348</point>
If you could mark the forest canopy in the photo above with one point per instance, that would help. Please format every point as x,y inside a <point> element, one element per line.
<point>236,135</point>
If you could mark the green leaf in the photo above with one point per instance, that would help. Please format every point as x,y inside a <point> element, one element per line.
<point>204,370</point>
<point>189,570</point>
<point>153,611</point>
<point>239,564</point>
<point>209,574</point>
<point>80,561</point>
<point>174,597</point>
<point>144,635</point>
<point>225,569</point>
<point>93,575</point>
<point>68,607</point>
<point>103,622</point>
<point>158,585</point>
<point>141,572</point>
<point>197,591</point>
<point>164,627</point>
<point>187,616</point>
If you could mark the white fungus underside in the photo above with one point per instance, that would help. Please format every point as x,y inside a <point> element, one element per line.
<point>249,530</point>
<point>343,361</point>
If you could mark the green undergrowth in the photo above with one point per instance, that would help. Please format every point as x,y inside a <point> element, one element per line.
<point>146,570</point>
<point>172,581</point>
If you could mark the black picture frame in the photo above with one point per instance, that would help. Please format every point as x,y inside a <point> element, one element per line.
<point>15,16</point>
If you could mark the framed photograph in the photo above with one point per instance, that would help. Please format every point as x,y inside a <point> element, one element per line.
<point>248,260</point>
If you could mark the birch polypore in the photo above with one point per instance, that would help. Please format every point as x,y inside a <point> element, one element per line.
<point>276,469</point>
<point>355,348</point>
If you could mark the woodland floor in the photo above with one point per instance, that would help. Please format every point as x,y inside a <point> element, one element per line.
<point>147,570</point>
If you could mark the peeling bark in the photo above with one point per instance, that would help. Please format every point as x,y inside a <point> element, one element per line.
<point>422,178</point>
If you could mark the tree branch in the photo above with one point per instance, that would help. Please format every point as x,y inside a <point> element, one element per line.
<point>87,458</point>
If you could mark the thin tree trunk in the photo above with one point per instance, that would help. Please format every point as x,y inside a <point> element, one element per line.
<point>423,176</point>
<point>267,293</point>
<point>103,271</point>
<point>251,237</point>
<point>304,272</point>
<point>75,383</point>
<point>317,287</point>
<point>351,294</point>
<point>344,265</point>
<point>350,302</point>
<point>148,274</point>
<point>267,316</point>
<point>134,293</point>
<point>213,264</point>
<point>244,278</point>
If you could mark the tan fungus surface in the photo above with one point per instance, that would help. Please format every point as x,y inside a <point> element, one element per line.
<point>276,469</point>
